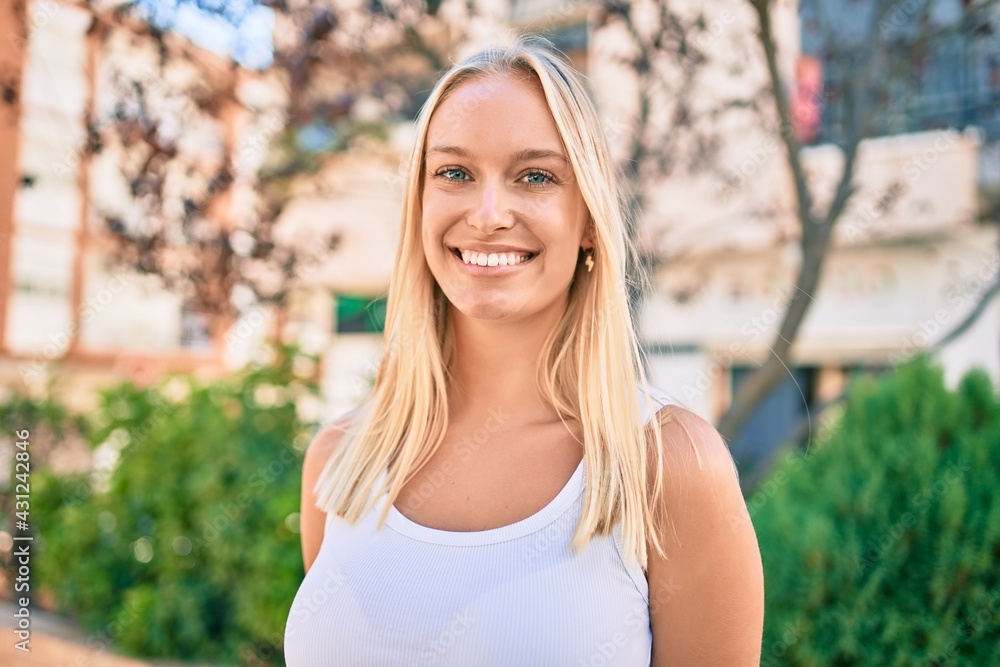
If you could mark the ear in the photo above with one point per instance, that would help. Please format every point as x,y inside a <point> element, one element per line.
<point>589,239</point>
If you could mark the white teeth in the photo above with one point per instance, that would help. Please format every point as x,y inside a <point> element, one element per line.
<point>493,258</point>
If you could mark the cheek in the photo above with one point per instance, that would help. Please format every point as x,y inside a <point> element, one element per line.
<point>430,224</point>
<point>566,259</point>
<point>560,258</point>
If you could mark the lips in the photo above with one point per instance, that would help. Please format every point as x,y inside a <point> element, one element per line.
<point>492,259</point>
<point>491,249</point>
<point>478,262</point>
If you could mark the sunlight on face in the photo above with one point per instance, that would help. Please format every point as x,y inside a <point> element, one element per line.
<point>497,179</point>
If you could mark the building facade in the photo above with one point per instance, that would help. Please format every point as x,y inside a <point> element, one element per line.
<point>66,310</point>
<point>910,260</point>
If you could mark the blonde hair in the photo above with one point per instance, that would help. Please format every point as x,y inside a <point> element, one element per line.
<point>590,366</point>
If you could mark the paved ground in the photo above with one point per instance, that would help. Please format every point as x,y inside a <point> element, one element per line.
<point>57,642</point>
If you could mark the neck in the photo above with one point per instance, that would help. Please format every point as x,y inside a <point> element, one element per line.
<point>495,368</point>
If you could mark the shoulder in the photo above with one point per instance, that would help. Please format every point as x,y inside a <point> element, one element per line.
<point>688,441</point>
<point>324,443</point>
<point>312,517</point>
<point>693,450</point>
<point>327,439</point>
<point>699,481</point>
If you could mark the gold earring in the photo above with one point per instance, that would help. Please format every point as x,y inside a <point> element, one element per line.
<point>589,259</point>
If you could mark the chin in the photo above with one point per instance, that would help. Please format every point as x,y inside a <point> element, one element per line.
<point>492,311</point>
<point>483,306</point>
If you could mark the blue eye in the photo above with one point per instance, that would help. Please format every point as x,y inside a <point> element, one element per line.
<point>535,178</point>
<point>451,170</point>
<point>545,178</point>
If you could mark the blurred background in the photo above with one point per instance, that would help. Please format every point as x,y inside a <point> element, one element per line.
<point>199,206</point>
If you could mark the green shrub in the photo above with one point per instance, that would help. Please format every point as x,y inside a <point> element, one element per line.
<point>188,546</point>
<point>880,546</point>
<point>17,411</point>
<point>50,426</point>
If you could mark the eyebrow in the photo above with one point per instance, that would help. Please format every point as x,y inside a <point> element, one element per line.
<point>520,156</point>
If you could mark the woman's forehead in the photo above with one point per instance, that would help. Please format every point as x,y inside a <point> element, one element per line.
<point>484,114</point>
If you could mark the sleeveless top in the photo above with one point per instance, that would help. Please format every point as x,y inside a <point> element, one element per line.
<point>513,596</point>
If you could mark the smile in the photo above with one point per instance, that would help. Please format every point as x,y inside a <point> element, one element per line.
<point>494,262</point>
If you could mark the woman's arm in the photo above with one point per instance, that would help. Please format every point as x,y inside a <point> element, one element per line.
<point>312,520</point>
<point>706,599</point>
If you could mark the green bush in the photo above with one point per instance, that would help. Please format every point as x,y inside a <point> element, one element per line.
<point>880,545</point>
<point>50,426</point>
<point>188,546</point>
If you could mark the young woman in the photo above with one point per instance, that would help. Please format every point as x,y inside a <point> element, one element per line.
<point>512,493</point>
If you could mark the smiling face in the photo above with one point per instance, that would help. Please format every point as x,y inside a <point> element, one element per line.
<point>503,218</point>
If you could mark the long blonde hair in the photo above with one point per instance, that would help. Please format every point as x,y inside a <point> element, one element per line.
<point>590,366</point>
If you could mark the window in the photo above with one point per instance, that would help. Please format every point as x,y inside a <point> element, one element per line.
<point>571,40</point>
<point>359,313</point>
<point>950,80</point>
<point>196,329</point>
<point>543,17</point>
<point>776,419</point>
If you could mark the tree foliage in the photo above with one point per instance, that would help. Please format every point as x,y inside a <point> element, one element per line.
<point>347,72</point>
<point>880,544</point>
<point>187,547</point>
<point>187,133</point>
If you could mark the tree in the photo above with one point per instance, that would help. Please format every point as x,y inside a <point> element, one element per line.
<point>867,62</point>
<point>876,543</point>
<point>866,58</point>
<point>155,93</point>
<point>394,51</point>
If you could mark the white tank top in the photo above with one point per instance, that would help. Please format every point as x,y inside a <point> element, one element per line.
<point>513,596</point>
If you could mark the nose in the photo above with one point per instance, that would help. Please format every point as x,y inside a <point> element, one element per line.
<point>491,211</point>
